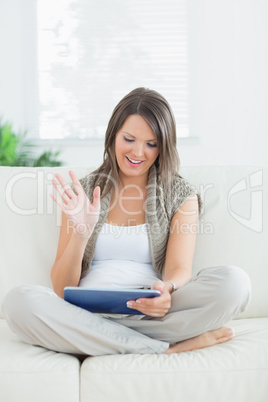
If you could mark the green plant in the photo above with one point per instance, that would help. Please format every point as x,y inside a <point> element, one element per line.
<point>16,150</point>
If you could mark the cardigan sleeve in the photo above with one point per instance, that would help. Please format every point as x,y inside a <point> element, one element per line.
<point>181,191</point>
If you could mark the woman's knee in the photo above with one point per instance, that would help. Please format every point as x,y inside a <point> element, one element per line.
<point>20,303</point>
<point>235,289</point>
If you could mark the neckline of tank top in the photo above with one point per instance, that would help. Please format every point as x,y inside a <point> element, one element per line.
<point>123,226</point>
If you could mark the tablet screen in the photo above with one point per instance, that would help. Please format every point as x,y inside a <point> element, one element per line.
<point>112,301</point>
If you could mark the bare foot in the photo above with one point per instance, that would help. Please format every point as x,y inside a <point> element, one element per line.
<point>209,338</point>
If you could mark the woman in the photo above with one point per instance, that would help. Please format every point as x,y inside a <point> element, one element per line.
<point>131,222</point>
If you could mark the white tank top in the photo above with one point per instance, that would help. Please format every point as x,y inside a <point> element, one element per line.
<point>122,259</point>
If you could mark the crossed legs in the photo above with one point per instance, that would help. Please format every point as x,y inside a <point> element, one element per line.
<point>199,311</point>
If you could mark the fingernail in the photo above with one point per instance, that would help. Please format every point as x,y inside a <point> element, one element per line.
<point>129,304</point>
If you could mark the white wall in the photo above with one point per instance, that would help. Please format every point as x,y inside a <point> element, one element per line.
<point>228,83</point>
<point>11,56</point>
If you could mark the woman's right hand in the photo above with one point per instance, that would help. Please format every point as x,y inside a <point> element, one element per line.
<point>81,213</point>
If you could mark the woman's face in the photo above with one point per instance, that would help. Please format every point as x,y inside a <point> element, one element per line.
<point>136,147</point>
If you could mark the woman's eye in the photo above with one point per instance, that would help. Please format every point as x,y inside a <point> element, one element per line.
<point>128,139</point>
<point>152,145</point>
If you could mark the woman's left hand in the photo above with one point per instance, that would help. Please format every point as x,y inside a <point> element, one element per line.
<point>155,306</point>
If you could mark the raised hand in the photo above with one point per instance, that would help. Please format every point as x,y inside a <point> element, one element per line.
<point>81,213</point>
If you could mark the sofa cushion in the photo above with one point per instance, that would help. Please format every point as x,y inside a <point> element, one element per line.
<point>30,224</point>
<point>233,226</point>
<point>31,373</point>
<point>236,371</point>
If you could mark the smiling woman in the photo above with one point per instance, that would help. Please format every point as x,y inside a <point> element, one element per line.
<point>142,127</point>
<point>135,149</point>
<point>137,185</point>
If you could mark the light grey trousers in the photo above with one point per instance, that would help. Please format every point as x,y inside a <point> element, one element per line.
<point>207,302</point>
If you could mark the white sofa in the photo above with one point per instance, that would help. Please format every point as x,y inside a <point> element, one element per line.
<point>233,230</point>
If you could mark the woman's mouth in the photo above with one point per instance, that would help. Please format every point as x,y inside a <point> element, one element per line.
<point>133,162</point>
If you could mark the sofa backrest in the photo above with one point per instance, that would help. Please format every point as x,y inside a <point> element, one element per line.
<point>232,226</point>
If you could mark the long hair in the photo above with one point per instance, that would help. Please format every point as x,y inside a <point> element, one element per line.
<point>157,112</point>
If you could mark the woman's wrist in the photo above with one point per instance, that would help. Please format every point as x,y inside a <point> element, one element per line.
<point>172,286</point>
<point>80,240</point>
<point>83,233</point>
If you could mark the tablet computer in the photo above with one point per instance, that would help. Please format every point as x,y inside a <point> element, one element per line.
<point>101,300</point>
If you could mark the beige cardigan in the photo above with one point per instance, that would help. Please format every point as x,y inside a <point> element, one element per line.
<point>160,208</point>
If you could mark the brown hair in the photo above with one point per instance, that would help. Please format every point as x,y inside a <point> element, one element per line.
<point>157,112</point>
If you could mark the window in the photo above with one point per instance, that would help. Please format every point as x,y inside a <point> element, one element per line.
<point>91,53</point>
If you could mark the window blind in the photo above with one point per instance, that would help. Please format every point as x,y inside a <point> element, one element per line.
<point>92,53</point>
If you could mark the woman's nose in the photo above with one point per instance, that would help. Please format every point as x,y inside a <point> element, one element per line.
<point>138,149</point>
